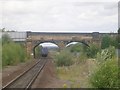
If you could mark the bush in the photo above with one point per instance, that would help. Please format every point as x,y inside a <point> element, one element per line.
<point>92,50</point>
<point>12,53</point>
<point>76,48</point>
<point>64,58</point>
<point>6,39</point>
<point>105,54</point>
<point>108,41</point>
<point>79,52</point>
<point>106,75</point>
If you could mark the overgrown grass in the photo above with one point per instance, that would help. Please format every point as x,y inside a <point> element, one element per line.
<point>76,72</point>
<point>77,75</point>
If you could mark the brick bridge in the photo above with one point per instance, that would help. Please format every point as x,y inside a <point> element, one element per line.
<point>60,39</point>
<point>33,39</point>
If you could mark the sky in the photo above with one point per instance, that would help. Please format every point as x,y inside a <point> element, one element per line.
<point>48,44</point>
<point>59,15</point>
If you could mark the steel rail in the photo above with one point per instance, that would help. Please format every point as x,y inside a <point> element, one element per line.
<point>34,78</point>
<point>35,70</point>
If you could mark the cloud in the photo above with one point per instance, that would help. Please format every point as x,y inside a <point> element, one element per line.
<point>59,15</point>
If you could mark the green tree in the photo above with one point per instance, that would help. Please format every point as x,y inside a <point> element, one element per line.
<point>92,50</point>
<point>6,39</point>
<point>114,41</point>
<point>106,41</point>
<point>12,53</point>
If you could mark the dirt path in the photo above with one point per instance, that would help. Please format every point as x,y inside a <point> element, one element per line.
<point>48,78</point>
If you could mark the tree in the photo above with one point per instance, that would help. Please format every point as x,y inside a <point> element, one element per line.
<point>92,50</point>
<point>6,39</point>
<point>106,41</point>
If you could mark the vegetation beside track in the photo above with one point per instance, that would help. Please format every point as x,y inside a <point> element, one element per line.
<point>102,59</point>
<point>12,53</point>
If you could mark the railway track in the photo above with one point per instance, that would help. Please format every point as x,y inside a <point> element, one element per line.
<point>27,78</point>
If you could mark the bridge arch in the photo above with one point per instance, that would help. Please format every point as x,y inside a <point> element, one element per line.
<point>71,43</point>
<point>42,42</point>
<point>82,42</point>
<point>31,45</point>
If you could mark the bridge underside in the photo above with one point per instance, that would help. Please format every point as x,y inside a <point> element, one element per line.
<point>31,45</point>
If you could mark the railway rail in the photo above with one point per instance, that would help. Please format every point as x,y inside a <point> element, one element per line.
<point>27,78</point>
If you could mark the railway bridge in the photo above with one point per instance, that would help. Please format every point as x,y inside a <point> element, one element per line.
<point>33,39</point>
<point>60,39</point>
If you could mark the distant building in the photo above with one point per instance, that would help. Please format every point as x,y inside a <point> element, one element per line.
<point>16,36</point>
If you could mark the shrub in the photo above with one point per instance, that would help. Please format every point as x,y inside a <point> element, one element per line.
<point>76,48</point>
<point>6,39</point>
<point>106,75</point>
<point>105,54</point>
<point>64,58</point>
<point>92,50</point>
<point>12,53</point>
<point>109,41</point>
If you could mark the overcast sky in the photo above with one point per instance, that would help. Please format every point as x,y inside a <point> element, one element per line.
<point>59,15</point>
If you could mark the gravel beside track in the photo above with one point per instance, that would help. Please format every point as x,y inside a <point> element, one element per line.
<point>26,79</point>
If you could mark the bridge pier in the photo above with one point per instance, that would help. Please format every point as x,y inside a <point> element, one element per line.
<point>29,48</point>
<point>61,45</point>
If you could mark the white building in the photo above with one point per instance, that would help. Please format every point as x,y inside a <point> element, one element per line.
<point>16,36</point>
